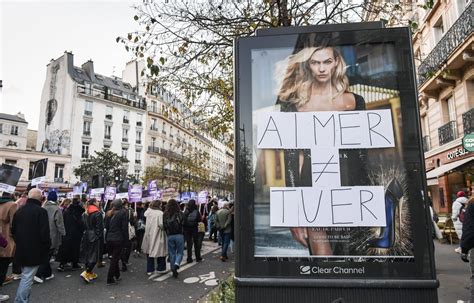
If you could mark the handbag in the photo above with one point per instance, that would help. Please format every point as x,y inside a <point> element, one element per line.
<point>131,229</point>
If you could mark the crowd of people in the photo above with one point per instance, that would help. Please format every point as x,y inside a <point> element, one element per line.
<point>81,234</point>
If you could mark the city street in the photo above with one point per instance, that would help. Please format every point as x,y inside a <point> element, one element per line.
<point>135,286</point>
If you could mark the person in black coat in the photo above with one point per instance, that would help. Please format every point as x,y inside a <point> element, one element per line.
<point>116,224</point>
<point>71,244</point>
<point>191,219</point>
<point>467,241</point>
<point>30,230</point>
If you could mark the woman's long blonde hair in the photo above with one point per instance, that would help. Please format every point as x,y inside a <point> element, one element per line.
<point>298,80</point>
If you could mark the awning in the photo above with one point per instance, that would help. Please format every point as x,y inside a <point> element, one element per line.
<point>438,171</point>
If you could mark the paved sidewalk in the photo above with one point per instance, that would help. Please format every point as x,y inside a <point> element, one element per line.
<point>453,274</point>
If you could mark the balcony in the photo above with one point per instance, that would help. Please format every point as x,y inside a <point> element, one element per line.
<point>426,143</point>
<point>58,180</point>
<point>88,113</point>
<point>468,121</point>
<point>125,120</point>
<point>138,142</point>
<point>447,132</point>
<point>138,161</point>
<point>86,133</point>
<point>104,94</point>
<point>153,149</point>
<point>107,137</point>
<point>154,128</point>
<point>154,109</point>
<point>453,38</point>
<point>124,139</point>
<point>108,117</point>
<point>164,132</point>
<point>84,156</point>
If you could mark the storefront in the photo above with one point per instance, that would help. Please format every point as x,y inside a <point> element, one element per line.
<point>447,173</point>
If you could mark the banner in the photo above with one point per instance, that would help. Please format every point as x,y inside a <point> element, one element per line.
<point>146,196</point>
<point>135,193</point>
<point>39,171</point>
<point>96,191</point>
<point>9,177</point>
<point>110,192</point>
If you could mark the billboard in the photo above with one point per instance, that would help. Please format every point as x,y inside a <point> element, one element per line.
<point>329,160</point>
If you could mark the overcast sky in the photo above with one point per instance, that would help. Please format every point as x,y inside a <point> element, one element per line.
<point>33,32</point>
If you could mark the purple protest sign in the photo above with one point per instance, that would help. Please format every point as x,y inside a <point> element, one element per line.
<point>153,189</point>
<point>135,193</point>
<point>110,192</point>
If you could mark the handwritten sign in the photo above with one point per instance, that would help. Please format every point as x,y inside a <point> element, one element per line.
<point>326,203</point>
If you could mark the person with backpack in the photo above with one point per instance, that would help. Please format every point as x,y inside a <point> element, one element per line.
<point>173,224</point>
<point>191,233</point>
<point>458,212</point>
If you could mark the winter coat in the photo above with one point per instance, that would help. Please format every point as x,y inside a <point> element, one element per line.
<point>71,243</point>
<point>456,209</point>
<point>154,239</point>
<point>93,234</point>
<point>7,211</point>
<point>30,230</point>
<point>173,224</point>
<point>56,223</point>
<point>467,239</point>
<point>117,226</point>
<point>223,220</point>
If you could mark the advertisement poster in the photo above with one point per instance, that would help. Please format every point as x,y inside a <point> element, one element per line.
<point>9,177</point>
<point>135,193</point>
<point>39,171</point>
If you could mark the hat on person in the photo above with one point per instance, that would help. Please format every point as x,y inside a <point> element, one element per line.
<point>52,196</point>
<point>460,194</point>
<point>117,204</point>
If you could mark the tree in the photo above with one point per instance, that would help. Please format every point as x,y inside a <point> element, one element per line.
<point>103,163</point>
<point>188,45</point>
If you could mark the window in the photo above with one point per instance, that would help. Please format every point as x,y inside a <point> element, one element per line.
<point>171,131</point>
<point>14,130</point>
<point>125,116</point>
<point>30,170</point>
<point>86,128</point>
<point>137,174</point>
<point>153,141</point>
<point>139,119</point>
<point>88,87</point>
<point>154,108</point>
<point>139,137</point>
<point>153,124</point>
<point>124,152</point>
<point>58,172</point>
<point>1,128</point>
<point>108,130</point>
<point>125,135</point>
<point>137,155</point>
<point>85,150</point>
<point>164,128</point>
<point>438,30</point>
<point>10,162</point>
<point>108,112</point>
<point>451,109</point>
<point>88,108</point>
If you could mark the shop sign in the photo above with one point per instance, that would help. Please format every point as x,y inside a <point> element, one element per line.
<point>457,153</point>
<point>468,142</point>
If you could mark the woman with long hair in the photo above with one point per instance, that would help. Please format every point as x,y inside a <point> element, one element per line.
<point>173,224</point>
<point>154,240</point>
<point>315,80</point>
<point>91,240</point>
<point>116,224</point>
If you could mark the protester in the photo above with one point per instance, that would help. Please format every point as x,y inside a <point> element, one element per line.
<point>127,245</point>
<point>467,241</point>
<point>71,244</point>
<point>65,204</point>
<point>91,240</point>
<point>7,211</point>
<point>173,223</point>
<point>16,269</point>
<point>211,223</point>
<point>140,227</point>
<point>30,230</point>
<point>191,236</point>
<point>56,232</point>
<point>155,240</point>
<point>458,208</point>
<point>116,224</point>
<point>222,221</point>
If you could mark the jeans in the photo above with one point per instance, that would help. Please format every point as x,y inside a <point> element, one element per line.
<point>192,236</point>
<point>175,249</point>
<point>114,270</point>
<point>225,244</point>
<point>23,292</point>
<point>160,264</point>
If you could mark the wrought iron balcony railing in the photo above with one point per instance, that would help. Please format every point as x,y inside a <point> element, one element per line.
<point>132,100</point>
<point>447,132</point>
<point>426,143</point>
<point>468,121</point>
<point>454,37</point>
<point>107,137</point>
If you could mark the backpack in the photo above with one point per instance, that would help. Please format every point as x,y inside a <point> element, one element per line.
<point>174,225</point>
<point>192,219</point>
<point>462,213</point>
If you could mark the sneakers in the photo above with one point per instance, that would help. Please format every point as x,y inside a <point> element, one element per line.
<point>93,276</point>
<point>38,280</point>
<point>8,280</point>
<point>4,298</point>
<point>458,250</point>
<point>85,277</point>
<point>174,269</point>
<point>16,277</point>
<point>49,278</point>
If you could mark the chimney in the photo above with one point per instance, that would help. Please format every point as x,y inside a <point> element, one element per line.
<point>20,115</point>
<point>88,67</point>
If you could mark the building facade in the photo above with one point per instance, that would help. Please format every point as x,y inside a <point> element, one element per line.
<point>82,112</point>
<point>13,131</point>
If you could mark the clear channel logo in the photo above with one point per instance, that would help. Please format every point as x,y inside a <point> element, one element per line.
<point>305,270</point>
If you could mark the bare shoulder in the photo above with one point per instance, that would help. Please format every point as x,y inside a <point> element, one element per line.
<point>349,100</point>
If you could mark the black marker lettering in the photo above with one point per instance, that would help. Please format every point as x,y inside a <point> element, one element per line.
<point>271,130</point>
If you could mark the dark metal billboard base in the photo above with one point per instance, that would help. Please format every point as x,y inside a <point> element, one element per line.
<point>336,291</point>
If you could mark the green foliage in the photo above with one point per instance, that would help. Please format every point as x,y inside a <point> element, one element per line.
<point>428,5</point>
<point>103,163</point>
<point>225,293</point>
